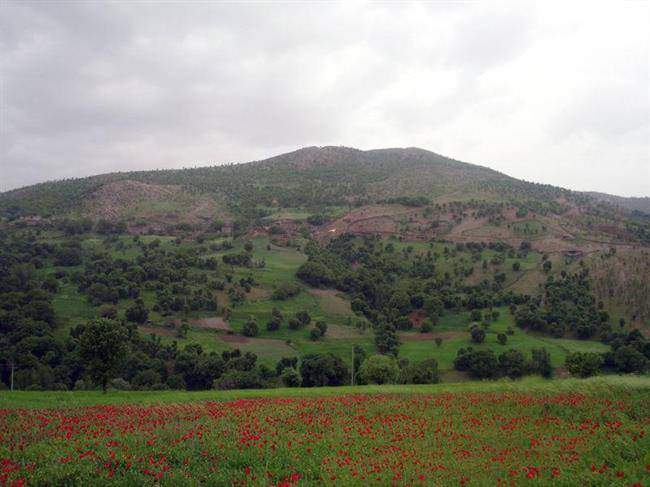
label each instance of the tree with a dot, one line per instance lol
(502, 338)
(541, 362)
(290, 377)
(303, 317)
(322, 327)
(583, 364)
(516, 266)
(314, 334)
(250, 328)
(137, 313)
(378, 369)
(386, 339)
(481, 363)
(512, 363)
(478, 334)
(323, 369)
(273, 324)
(629, 359)
(425, 372)
(102, 346)
(547, 265)
(438, 341)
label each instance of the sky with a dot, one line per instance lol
(551, 92)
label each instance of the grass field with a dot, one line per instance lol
(559, 432)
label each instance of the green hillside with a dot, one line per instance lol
(317, 267)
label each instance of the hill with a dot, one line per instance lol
(631, 203)
(462, 201)
(299, 268)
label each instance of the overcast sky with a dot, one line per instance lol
(548, 92)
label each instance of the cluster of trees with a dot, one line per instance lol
(630, 353)
(387, 286)
(567, 307)
(512, 363)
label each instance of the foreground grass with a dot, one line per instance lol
(561, 433)
(617, 385)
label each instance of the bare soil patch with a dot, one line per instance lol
(234, 338)
(214, 323)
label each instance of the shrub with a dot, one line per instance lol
(286, 291)
(314, 334)
(478, 334)
(378, 369)
(250, 328)
(238, 379)
(290, 377)
(425, 372)
(583, 364)
(323, 369)
(273, 324)
(512, 363)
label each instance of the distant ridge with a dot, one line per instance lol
(641, 204)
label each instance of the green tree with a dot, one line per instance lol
(583, 364)
(138, 312)
(102, 347)
(323, 369)
(478, 334)
(512, 363)
(425, 372)
(541, 362)
(290, 377)
(250, 328)
(386, 340)
(378, 369)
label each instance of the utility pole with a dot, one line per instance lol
(352, 374)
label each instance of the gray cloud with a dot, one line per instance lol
(550, 94)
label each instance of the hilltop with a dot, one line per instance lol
(413, 192)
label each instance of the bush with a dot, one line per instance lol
(512, 363)
(629, 359)
(502, 338)
(286, 291)
(137, 313)
(303, 317)
(478, 334)
(290, 377)
(481, 364)
(120, 384)
(238, 379)
(250, 328)
(541, 362)
(378, 369)
(273, 324)
(425, 372)
(322, 327)
(583, 364)
(323, 369)
(314, 334)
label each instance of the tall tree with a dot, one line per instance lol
(102, 345)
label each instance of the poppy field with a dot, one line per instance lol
(494, 437)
